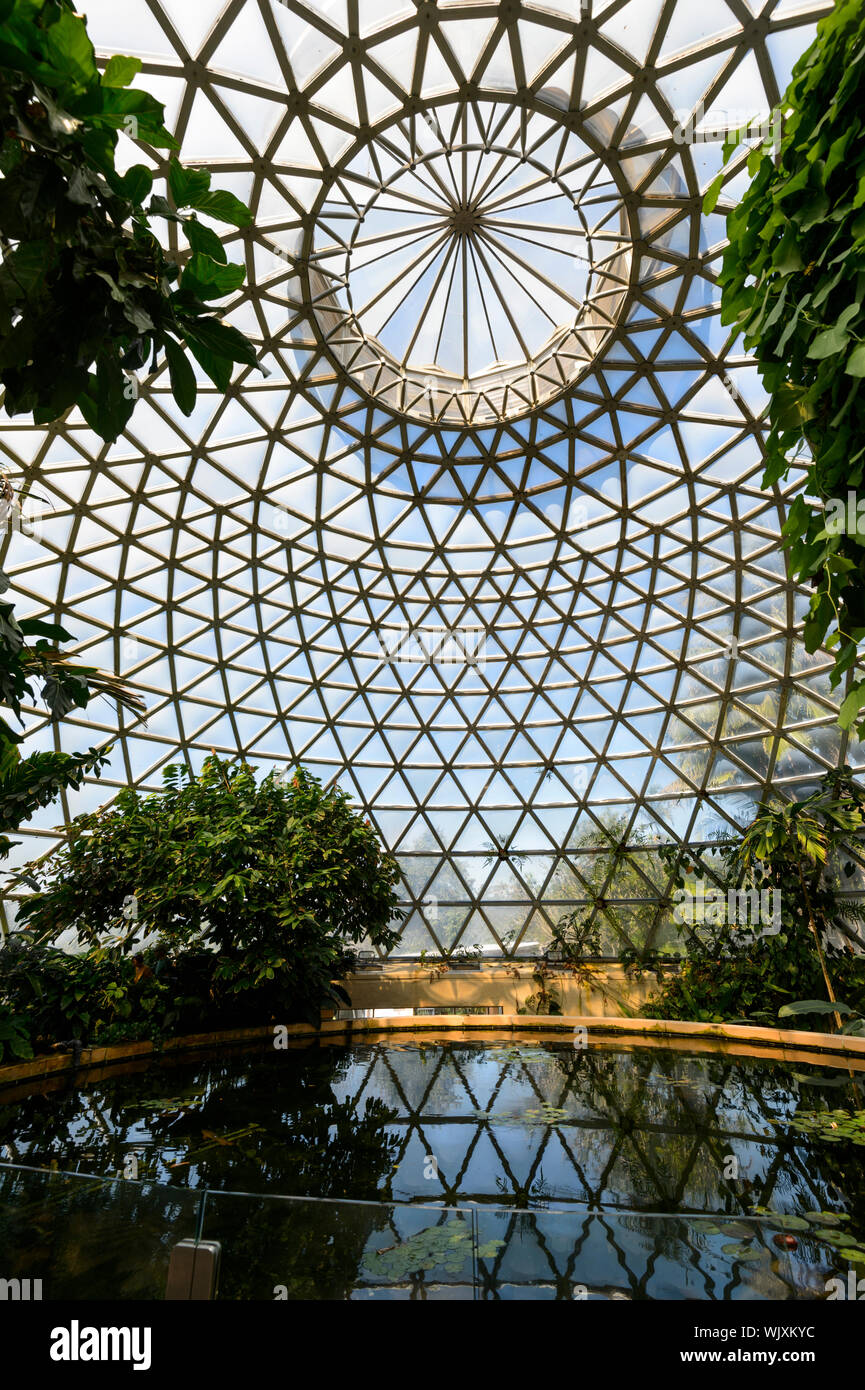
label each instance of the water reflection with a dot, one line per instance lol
(597, 1174)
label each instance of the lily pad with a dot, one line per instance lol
(743, 1252)
(790, 1223)
(839, 1238)
(446, 1247)
(738, 1229)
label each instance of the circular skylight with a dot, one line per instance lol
(488, 543)
(468, 264)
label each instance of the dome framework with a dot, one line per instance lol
(487, 544)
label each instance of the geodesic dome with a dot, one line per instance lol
(487, 543)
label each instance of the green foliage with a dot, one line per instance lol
(793, 280)
(87, 294)
(749, 984)
(812, 1006)
(805, 831)
(455, 955)
(546, 998)
(575, 936)
(793, 851)
(854, 1027)
(100, 995)
(275, 880)
(819, 1226)
(29, 658)
(15, 1038)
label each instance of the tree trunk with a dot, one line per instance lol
(829, 990)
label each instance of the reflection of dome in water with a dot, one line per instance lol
(568, 493)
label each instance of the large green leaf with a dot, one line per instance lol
(77, 222)
(69, 50)
(120, 71)
(205, 240)
(187, 185)
(813, 1006)
(183, 383)
(207, 279)
(224, 207)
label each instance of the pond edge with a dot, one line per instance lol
(787, 1044)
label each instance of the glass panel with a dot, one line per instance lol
(71, 1236)
(290, 1248)
(90, 1238)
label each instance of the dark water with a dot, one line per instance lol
(520, 1170)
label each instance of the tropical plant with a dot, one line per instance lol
(456, 955)
(30, 656)
(793, 281)
(546, 997)
(102, 994)
(854, 1026)
(796, 841)
(574, 937)
(276, 879)
(790, 853)
(88, 296)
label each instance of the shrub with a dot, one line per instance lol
(790, 856)
(753, 983)
(100, 996)
(268, 884)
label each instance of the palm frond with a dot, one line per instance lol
(114, 687)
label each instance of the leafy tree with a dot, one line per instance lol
(793, 280)
(88, 296)
(276, 878)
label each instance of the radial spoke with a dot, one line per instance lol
(532, 271)
(422, 316)
(493, 251)
(424, 260)
(502, 300)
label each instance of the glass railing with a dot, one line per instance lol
(287, 1248)
(72, 1236)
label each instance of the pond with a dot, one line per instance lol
(442, 1170)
